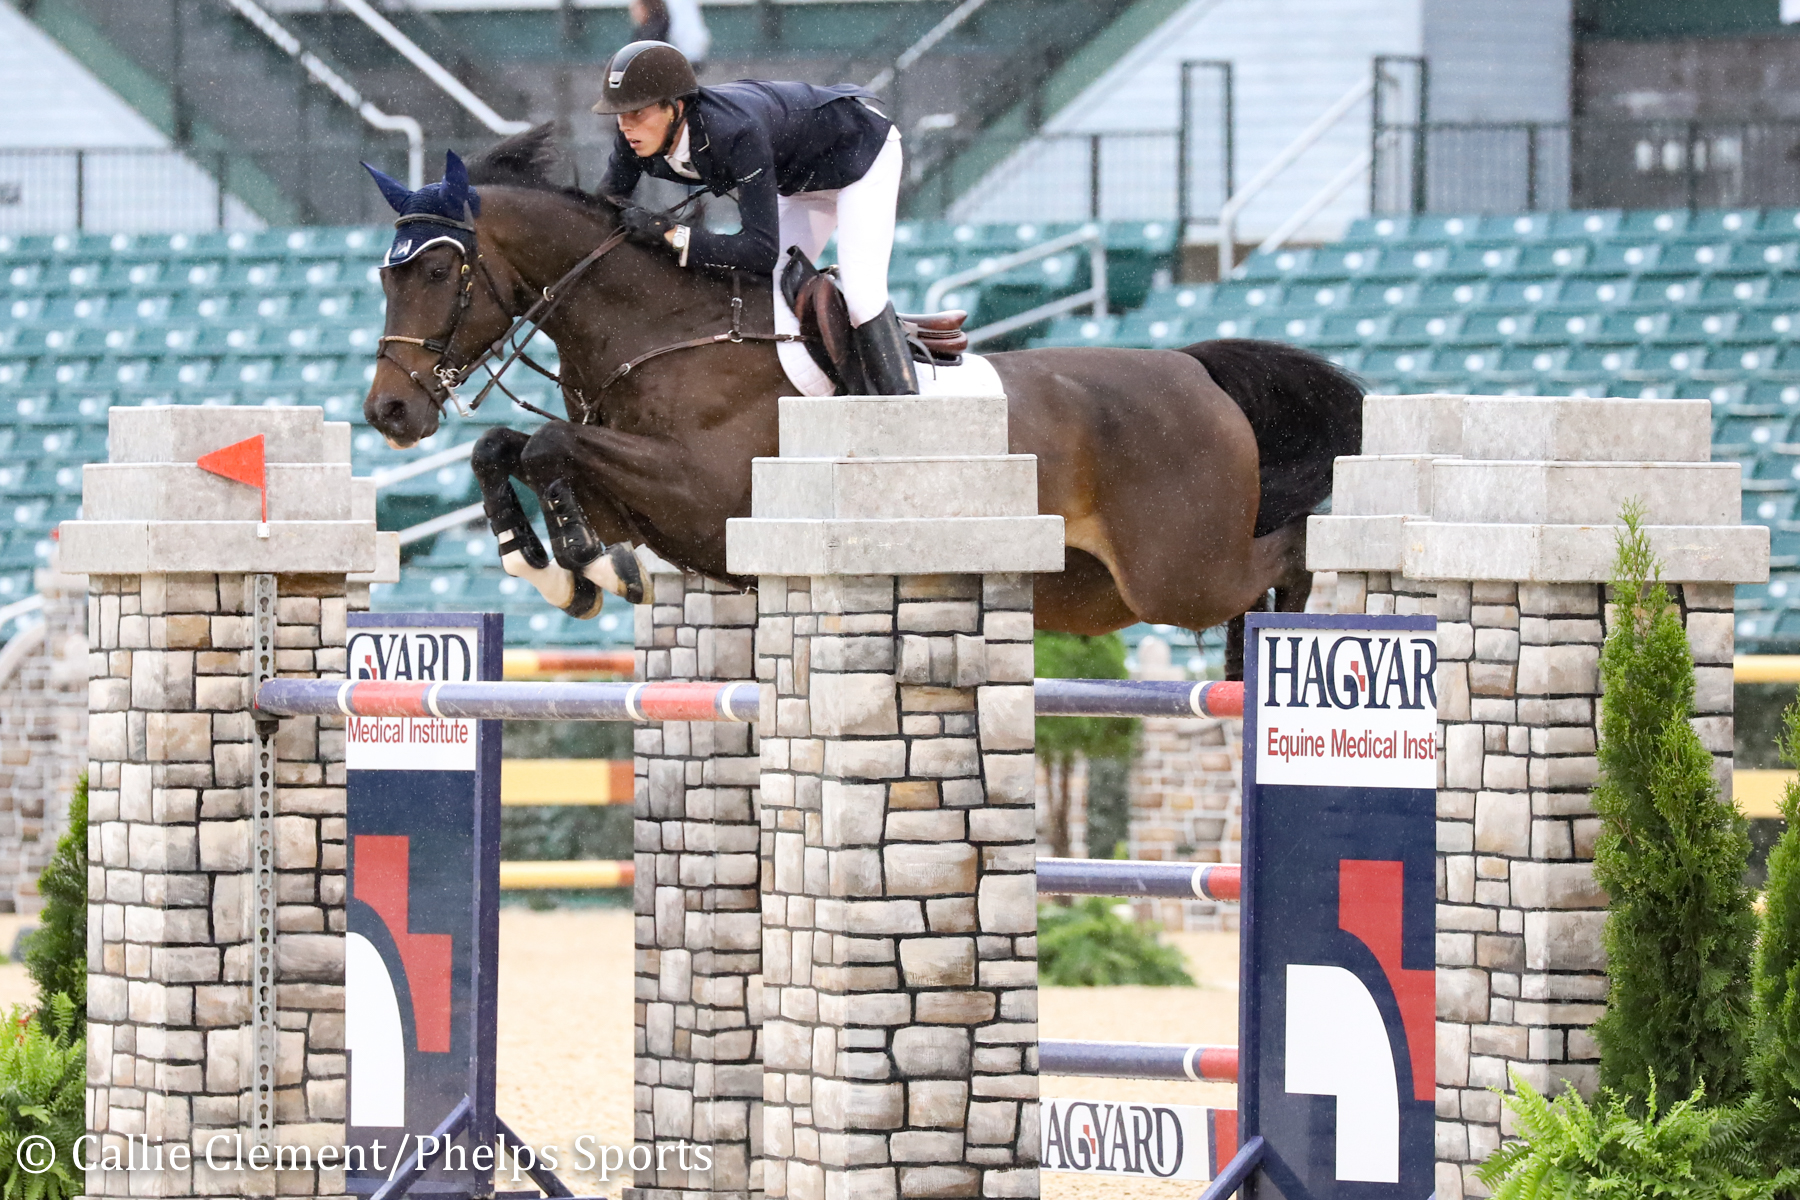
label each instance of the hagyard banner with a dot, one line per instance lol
(1339, 989)
(1135, 1139)
(419, 954)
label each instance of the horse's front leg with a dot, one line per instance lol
(495, 461)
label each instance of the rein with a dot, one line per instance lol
(449, 377)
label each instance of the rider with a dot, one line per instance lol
(803, 161)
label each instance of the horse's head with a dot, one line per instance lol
(443, 308)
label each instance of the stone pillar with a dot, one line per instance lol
(43, 734)
(1499, 516)
(894, 540)
(184, 815)
(699, 925)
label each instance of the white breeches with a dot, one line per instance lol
(863, 216)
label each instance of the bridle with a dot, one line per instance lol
(447, 376)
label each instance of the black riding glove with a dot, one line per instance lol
(643, 225)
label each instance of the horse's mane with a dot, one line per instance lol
(534, 160)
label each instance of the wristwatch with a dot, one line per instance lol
(678, 238)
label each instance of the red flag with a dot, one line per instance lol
(243, 463)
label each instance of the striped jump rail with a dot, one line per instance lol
(1128, 877)
(512, 701)
(1139, 1060)
(1139, 698)
(676, 701)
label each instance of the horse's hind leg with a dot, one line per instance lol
(1292, 587)
(495, 460)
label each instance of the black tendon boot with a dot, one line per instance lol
(886, 358)
(577, 547)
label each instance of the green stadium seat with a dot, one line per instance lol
(1621, 258)
(1237, 296)
(1696, 324)
(1481, 260)
(1585, 362)
(1080, 331)
(1136, 329)
(1496, 228)
(1521, 293)
(1594, 224)
(1488, 328)
(1215, 325)
(1350, 328)
(1763, 253)
(1653, 223)
(1419, 328)
(1270, 268)
(1551, 257)
(1379, 295)
(1724, 222)
(1730, 288)
(1377, 230)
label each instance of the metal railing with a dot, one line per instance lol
(1094, 238)
(126, 190)
(323, 74)
(1306, 140)
(433, 70)
(1591, 162)
(1127, 174)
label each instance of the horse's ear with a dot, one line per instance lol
(392, 190)
(456, 184)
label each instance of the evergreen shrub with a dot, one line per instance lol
(1671, 857)
(56, 955)
(1775, 1065)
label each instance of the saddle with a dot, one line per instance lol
(936, 338)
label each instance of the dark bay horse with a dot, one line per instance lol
(1184, 476)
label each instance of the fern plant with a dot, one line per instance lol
(42, 1081)
(1603, 1151)
(1089, 945)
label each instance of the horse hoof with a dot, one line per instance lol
(619, 572)
(586, 603)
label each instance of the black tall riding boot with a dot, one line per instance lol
(886, 358)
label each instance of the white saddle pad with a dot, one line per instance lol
(974, 376)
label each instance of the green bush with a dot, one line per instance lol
(42, 1083)
(1087, 944)
(1775, 1066)
(1603, 1151)
(1671, 857)
(56, 955)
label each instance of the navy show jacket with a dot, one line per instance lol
(761, 139)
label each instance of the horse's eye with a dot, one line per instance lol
(439, 274)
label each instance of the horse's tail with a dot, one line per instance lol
(1304, 410)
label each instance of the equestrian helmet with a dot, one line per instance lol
(644, 73)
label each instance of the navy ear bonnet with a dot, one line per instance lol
(438, 213)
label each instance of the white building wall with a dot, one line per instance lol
(53, 105)
(51, 100)
(1292, 59)
(1498, 62)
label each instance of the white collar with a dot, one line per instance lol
(679, 159)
